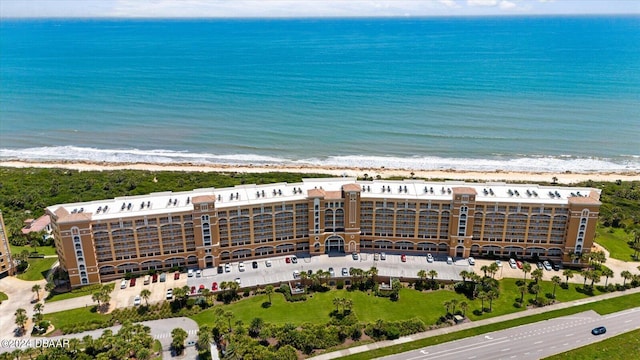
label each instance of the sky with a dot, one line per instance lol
(306, 8)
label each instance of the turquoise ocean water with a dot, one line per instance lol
(515, 93)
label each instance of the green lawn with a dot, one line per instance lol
(3, 297)
(44, 250)
(427, 306)
(602, 307)
(74, 316)
(615, 242)
(38, 269)
(77, 292)
(609, 349)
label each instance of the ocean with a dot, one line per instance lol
(482, 93)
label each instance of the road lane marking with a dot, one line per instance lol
(469, 347)
(569, 335)
(628, 321)
(537, 342)
(507, 349)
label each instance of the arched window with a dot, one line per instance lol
(78, 253)
(82, 267)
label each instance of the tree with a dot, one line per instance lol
(556, 281)
(606, 272)
(50, 286)
(537, 275)
(348, 303)
(422, 274)
(464, 306)
(432, 274)
(484, 269)
(97, 297)
(21, 318)
(36, 289)
(145, 294)
(204, 337)
(37, 312)
(535, 288)
(493, 269)
(568, 274)
(626, 275)
(554, 180)
(337, 302)
(526, 268)
(491, 295)
(522, 289)
(482, 295)
(454, 303)
(178, 336)
(269, 290)
(228, 315)
(256, 327)
(447, 305)
(464, 274)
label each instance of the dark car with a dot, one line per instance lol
(132, 282)
(154, 278)
(193, 289)
(294, 259)
(214, 286)
(176, 276)
(599, 330)
(254, 264)
(220, 269)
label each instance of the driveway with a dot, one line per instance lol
(20, 296)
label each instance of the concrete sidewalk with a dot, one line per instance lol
(469, 325)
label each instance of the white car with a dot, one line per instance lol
(169, 294)
(429, 258)
(383, 256)
(512, 263)
(449, 260)
(227, 268)
(241, 266)
(198, 273)
(237, 280)
(136, 300)
(296, 274)
(267, 263)
(499, 263)
(190, 273)
(471, 260)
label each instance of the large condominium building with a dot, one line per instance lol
(102, 240)
(6, 265)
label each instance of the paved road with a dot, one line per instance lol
(533, 341)
(160, 329)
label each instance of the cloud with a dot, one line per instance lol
(507, 5)
(449, 3)
(487, 3)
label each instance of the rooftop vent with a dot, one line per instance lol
(491, 191)
(188, 200)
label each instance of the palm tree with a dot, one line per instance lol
(526, 268)
(606, 272)
(36, 289)
(145, 294)
(537, 275)
(568, 274)
(554, 180)
(493, 269)
(492, 294)
(373, 272)
(422, 274)
(556, 281)
(454, 303)
(464, 274)
(179, 293)
(586, 274)
(464, 306)
(348, 303)
(522, 289)
(228, 315)
(97, 297)
(482, 295)
(536, 290)
(447, 305)
(21, 317)
(37, 309)
(595, 277)
(432, 274)
(50, 286)
(484, 269)
(178, 336)
(626, 275)
(269, 290)
(337, 302)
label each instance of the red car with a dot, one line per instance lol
(214, 286)
(287, 260)
(519, 264)
(193, 289)
(403, 257)
(201, 288)
(132, 282)
(176, 276)
(154, 278)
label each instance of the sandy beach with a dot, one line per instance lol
(504, 176)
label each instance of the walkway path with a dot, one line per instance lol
(469, 325)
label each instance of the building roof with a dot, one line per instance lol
(329, 188)
(36, 225)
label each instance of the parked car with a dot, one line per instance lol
(519, 264)
(190, 273)
(331, 272)
(512, 263)
(429, 258)
(227, 267)
(376, 257)
(193, 289)
(220, 269)
(539, 265)
(294, 259)
(241, 266)
(471, 260)
(599, 330)
(237, 280)
(163, 277)
(547, 265)
(383, 256)
(198, 273)
(449, 260)
(254, 264)
(296, 274)
(176, 275)
(403, 258)
(136, 300)
(214, 286)
(354, 256)
(556, 266)
(132, 282)
(287, 260)
(147, 279)
(200, 289)
(169, 294)
(154, 278)
(499, 263)
(267, 263)
(345, 272)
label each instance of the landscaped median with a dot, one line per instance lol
(622, 347)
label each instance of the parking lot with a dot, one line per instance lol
(281, 271)
(124, 297)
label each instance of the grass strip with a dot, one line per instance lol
(622, 347)
(602, 307)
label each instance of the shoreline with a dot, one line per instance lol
(494, 176)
